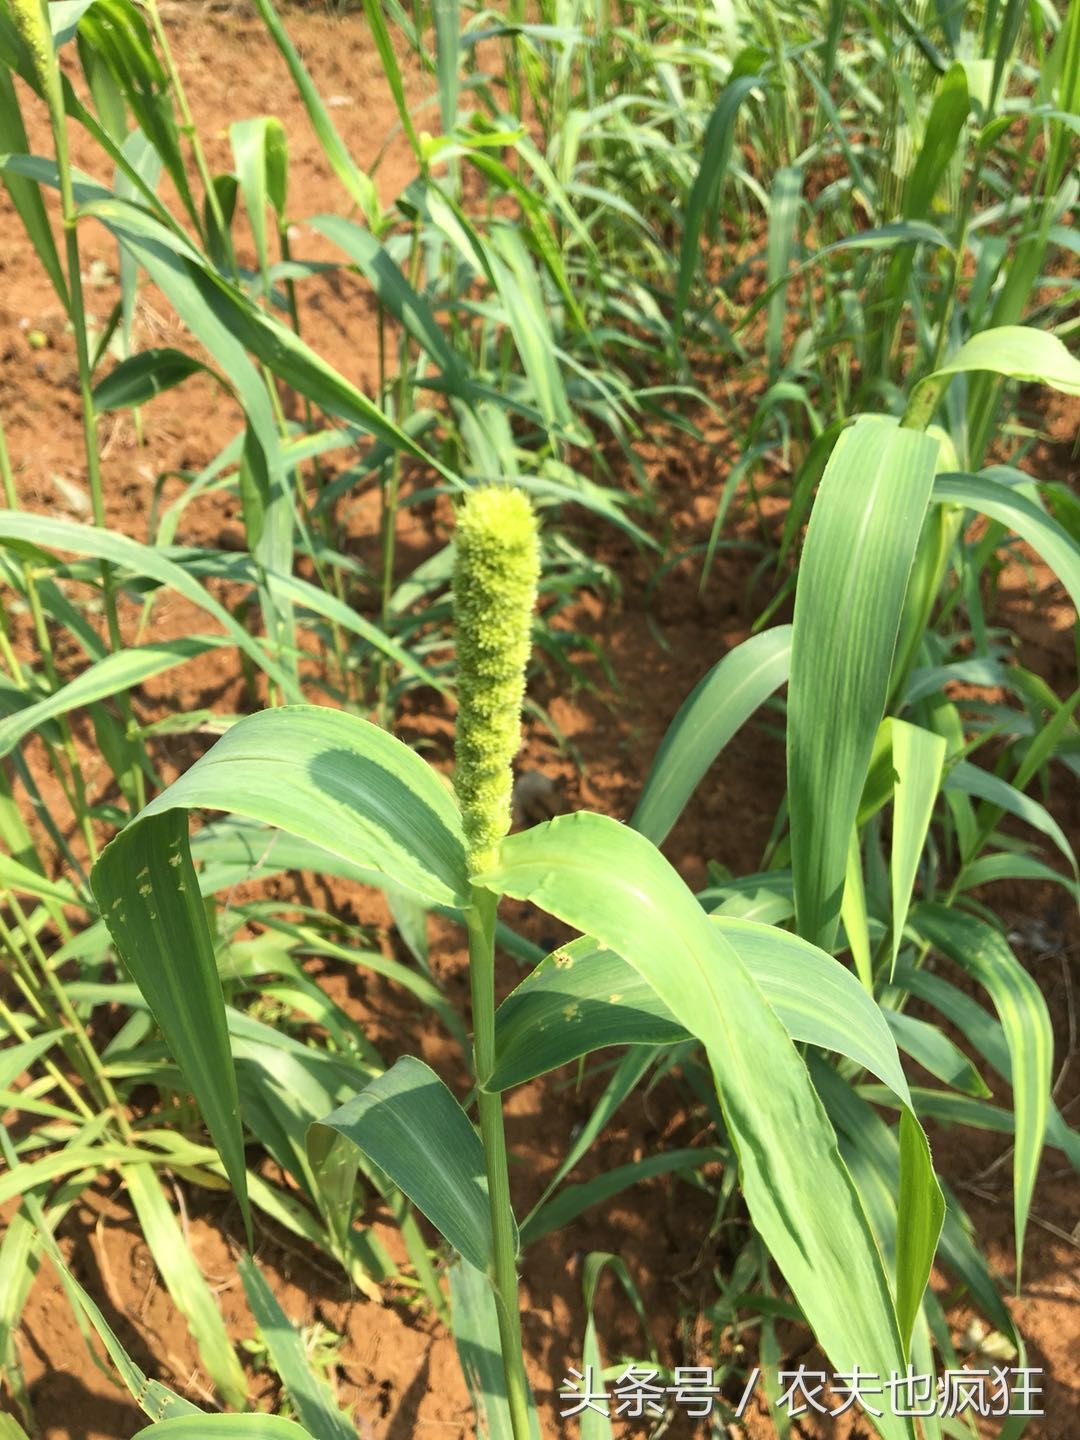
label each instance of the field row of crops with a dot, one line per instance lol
(803, 271)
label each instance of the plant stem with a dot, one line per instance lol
(503, 1270)
(391, 487)
(70, 216)
(188, 129)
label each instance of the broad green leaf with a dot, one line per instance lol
(322, 774)
(148, 895)
(983, 952)
(858, 554)
(1021, 514)
(409, 1124)
(610, 882)
(185, 1283)
(583, 997)
(563, 1010)
(339, 782)
(1019, 352)
(917, 758)
(720, 703)
(310, 1395)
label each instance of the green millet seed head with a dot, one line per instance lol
(496, 569)
(32, 22)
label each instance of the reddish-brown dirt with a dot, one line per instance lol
(395, 1366)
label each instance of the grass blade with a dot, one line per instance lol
(723, 701)
(476, 1335)
(917, 758)
(185, 1283)
(311, 1398)
(983, 952)
(1005, 503)
(859, 549)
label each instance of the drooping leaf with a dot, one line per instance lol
(584, 996)
(113, 675)
(140, 377)
(148, 895)
(409, 1124)
(1012, 508)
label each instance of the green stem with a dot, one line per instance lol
(188, 129)
(391, 487)
(70, 216)
(503, 1270)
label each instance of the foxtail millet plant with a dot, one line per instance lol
(496, 571)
